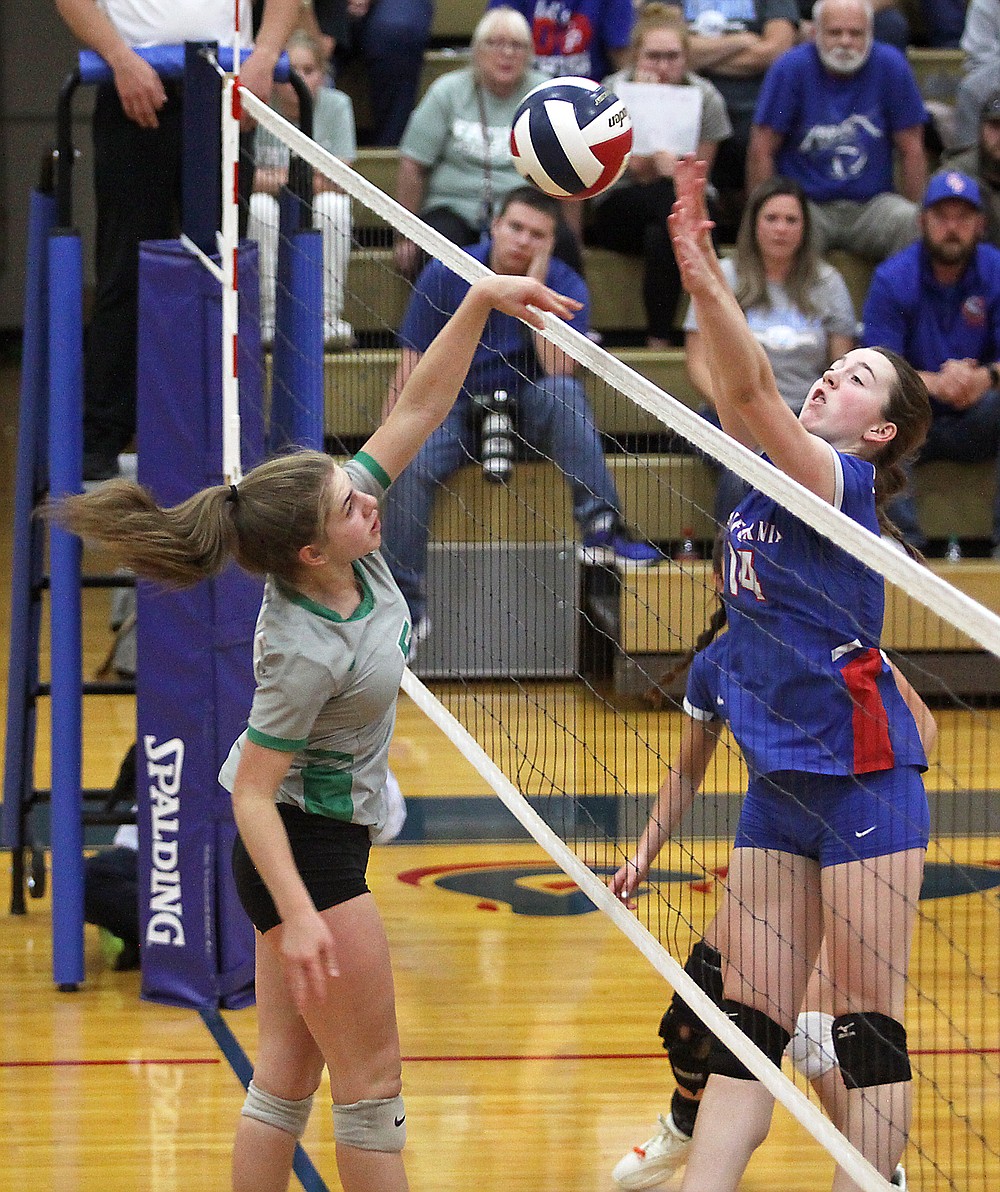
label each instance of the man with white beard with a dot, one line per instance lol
(831, 114)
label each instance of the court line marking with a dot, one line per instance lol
(445, 1059)
(302, 1165)
(644, 1055)
(122, 1063)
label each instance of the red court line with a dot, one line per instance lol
(643, 1055)
(101, 1063)
(448, 1059)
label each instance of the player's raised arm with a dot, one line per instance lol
(434, 382)
(684, 777)
(750, 407)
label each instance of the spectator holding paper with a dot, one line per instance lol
(673, 112)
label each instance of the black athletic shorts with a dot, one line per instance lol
(331, 858)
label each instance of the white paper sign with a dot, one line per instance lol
(664, 116)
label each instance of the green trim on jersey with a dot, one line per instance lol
(327, 786)
(279, 743)
(313, 606)
(370, 464)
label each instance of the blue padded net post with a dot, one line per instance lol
(297, 384)
(65, 456)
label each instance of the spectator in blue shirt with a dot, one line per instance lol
(938, 304)
(830, 115)
(586, 38)
(551, 414)
(891, 24)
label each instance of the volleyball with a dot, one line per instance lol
(571, 137)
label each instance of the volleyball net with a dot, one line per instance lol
(545, 665)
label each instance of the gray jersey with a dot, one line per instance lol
(327, 686)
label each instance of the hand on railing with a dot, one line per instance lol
(168, 62)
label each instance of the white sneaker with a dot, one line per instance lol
(656, 1160)
(396, 815)
(337, 331)
(420, 631)
(899, 1178)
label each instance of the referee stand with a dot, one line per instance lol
(198, 946)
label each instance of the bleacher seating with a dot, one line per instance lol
(662, 611)
(454, 20)
(660, 608)
(357, 383)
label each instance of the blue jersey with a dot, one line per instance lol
(572, 36)
(809, 689)
(838, 130)
(708, 693)
(908, 310)
(505, 354)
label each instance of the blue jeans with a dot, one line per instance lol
(965, 437)
(393, 38)
(552, 417)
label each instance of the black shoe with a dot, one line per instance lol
(99, 465)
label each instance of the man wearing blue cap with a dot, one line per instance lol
(938, 304)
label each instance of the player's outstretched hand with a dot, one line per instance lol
(691, 228)
(524, 297)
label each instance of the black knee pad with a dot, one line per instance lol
(871, 1049)
(768, 1035)
(686, 1039)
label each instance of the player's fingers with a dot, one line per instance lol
(328, 961)
(315, 979)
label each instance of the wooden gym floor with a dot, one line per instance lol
(531, 1060)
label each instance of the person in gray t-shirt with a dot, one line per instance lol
(631, 215)
(308, 775)
(455, 163)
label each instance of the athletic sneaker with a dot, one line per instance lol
(899, 1178)
(612, 547)
(656, 1160)
(117, 954)
(420, 631)
(338, 333)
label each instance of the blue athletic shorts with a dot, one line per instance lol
(833, 818)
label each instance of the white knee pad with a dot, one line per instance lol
(811, 1047)
(290, 1116)
(371, 1125)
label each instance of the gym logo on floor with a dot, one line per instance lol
(525, 888)
(540, 888)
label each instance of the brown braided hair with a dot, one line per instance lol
(655, 694)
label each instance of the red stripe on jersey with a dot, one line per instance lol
(872, 747)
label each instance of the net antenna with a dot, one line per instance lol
(229, 235)
(496, 742)
(227, 274)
